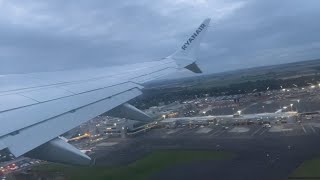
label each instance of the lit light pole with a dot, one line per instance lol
(291, 106)
(239, 112)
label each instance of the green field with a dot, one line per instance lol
(141, 169)
(309, 169)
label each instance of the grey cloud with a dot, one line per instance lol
(55, 34)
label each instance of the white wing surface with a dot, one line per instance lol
(36, 108)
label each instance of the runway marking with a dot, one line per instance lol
(303, 129)
(204, 130)
(263, 131)
(107, 144)
(312, 129)
(177, 133)
(239, 130)
(173, 131)
(215, 133)
(256, 131)
(222, 131)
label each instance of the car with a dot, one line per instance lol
(266, 126)
(225, 127)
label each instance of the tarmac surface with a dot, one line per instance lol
(261, 153)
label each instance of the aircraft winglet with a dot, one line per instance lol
(185, 56)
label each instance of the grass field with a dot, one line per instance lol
(139, 170)
(308, 170)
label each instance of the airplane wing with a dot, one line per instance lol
(36, 108)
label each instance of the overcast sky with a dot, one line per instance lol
(58, 34)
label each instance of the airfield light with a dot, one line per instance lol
(239, 112)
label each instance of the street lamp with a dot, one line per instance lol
(239, 112)
(291, 106)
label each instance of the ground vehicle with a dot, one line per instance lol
(266, 126)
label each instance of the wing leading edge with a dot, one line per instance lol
(36, 108)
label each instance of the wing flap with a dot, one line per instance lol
(37, 134)
(92, 85)
(14, 101)
(16, 119)
(153, 75)
(47, 94)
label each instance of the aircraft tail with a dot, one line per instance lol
(186, 56)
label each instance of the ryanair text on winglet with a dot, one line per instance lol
(193, 37)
